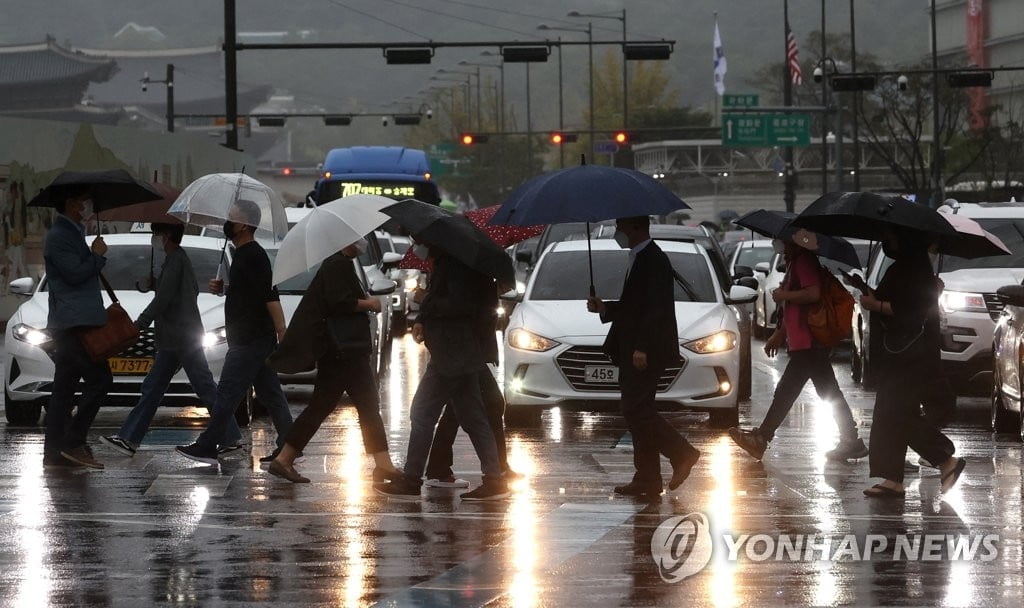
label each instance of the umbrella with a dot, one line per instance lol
(779, 225)
(209, 200)
(109, 189)
(502, 235)
(328, 229)
(149, 212)
(971, 240)
(867, 215)
(454, 234)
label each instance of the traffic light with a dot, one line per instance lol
(558, 138)
(468, 139)
(620, 137)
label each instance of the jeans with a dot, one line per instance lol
(439, 465)
(652, 434)
(245, 365)
(462, 393)
(336, 375)
(155, 385)
(71, 363)
(809, 364)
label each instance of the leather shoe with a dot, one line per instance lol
(681, 470)
(634, 488)
(286, 472)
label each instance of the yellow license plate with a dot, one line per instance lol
(130, 366)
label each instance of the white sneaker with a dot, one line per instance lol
(448, 482)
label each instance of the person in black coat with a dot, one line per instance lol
(643, 342)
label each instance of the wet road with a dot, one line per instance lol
(154, 529)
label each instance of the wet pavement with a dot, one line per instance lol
(154, 529)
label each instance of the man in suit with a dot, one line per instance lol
(643, 342)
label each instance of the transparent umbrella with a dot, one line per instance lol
(209, 200)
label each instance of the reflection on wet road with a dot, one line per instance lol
(154, 529)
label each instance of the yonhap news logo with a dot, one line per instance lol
(682, 546)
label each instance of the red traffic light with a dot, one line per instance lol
(559, 138)
(620, 137)
(468, 139)
(286, 171)
(556, 138)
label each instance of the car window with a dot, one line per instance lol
(385, 244)
(372, 256)
(401, 246)
(564, 275)
(127, 264)
(752, 256)
(1010, 231)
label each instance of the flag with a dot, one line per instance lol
(720, 65)
(793, 58)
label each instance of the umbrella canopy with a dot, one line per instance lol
(208, 201)
(502, 235)
(779, 225)
(455, 235)
(772, 224)
(588, 193)
(109, 189)
(150, 212)
(328, 229)
(866, 215)
(971, 240)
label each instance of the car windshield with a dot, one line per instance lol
(295, 285)
(128, 264)
(385, 244)
(564, 275)
(752, 256)
(1010, 231)
(556, 233)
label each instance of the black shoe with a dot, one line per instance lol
(634, 488)
(511, 475)
(198, 453)
(403, 488)
(488, 490)
(848, 450)
(286, 472)
(121, 445)
(82, 455)
(225, 450)
(381, 475)
(56, 461)
(271, 456)
(751, 441)
(681, 470)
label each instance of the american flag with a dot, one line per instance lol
(793, 58)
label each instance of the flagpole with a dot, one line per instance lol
(787, 100)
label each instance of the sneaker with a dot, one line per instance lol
(224, 450)
(121, 445)
(198, 453)
(447, 482)
(82, 455)
(848, 450)
(404, 488)
(751, 441)
(271, 456)
(488, 490)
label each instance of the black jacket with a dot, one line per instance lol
(644, 318)
(452, 315)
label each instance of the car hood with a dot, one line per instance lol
(569, 318)
(36, 309)
(982, 280)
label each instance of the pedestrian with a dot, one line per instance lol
(800, 290)
(179, 345)
(253, 322)
(905, 317)
(448, 325)
(335, 296)
(73, 282)
(643, 341)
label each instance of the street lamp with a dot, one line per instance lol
(169, 82)
(589, 31)
(501, 69)
(465, 93)
(501, 118)
(469, 82)
(821, 75)
(625, 78)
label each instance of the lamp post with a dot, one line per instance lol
(465, 93)
(589, 31)
(856, 103)
(469, 83)
(625, 76)
(499, 120)
(169, 82)
(821, 75)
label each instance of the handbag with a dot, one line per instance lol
(114, 336)
(350, 333)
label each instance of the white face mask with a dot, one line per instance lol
(420, 251)
(621, 238)
(157, 242)
(361, 246)
(778, 246)
(87, 210)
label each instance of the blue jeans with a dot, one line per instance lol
(245, 366)
(462, 394)
(155, 386)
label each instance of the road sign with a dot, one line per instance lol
(439, 157)
(605, 147)
(746, 100)
(766, 130)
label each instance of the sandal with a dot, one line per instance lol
(880, 491)
(949, 479)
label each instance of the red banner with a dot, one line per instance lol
(977, 18)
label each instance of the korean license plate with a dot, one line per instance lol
(600, 374)
(125, 366)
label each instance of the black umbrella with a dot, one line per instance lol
(866, 215)
(455, 235)
(109, 189)
(779, 225)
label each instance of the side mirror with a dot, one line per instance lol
(742, 271)
(1011, 295)
(749, 282)
(23, 286)
(524, 256)
(382, 287)
(741, 295)
(763, 267)
(390, 259)
(511, 295)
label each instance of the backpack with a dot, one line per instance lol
(830, 320)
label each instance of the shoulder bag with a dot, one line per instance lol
(113, 337)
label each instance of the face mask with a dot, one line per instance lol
(420, 251)
(361, 246)
(621, 238)
(778, 246)
(157, 242)
(87, 210)
(229, 230)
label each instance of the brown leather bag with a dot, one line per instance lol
(117, 334)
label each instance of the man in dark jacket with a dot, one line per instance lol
(448, 324)
(643, 342)
(72, 275)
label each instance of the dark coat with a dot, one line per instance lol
(334, 290)
(912, 333)
(644, 318)
(175, 308)
(453, 314)
(72, 277)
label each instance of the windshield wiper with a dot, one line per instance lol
(690, 291)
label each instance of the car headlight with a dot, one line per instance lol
(411, 283)
(961, 301)
(214, 337)
(30, 335)
(523, 340)
(718, 342)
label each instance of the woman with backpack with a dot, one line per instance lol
(802, 288)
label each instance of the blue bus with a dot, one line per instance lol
(390, 171)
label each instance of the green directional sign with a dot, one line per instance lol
(745, 100)
(439, 156)
(766, 130)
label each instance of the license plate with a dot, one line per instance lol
(130, 366)
(600, 374)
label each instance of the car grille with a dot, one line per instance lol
(144, 348)
(994, 306)
(574, 361)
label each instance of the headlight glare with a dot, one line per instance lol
(214, 337)
(718, 342)
(30, 335)
(524, 340)
(954, 301)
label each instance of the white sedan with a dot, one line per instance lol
(28, 370)
(552, 348)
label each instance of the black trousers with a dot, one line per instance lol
(652, 434)
(897, 423)
(71, 364)
(337, 374)
(810, 364)
(439, 464)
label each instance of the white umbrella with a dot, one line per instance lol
(327, 230)
(208, 202)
